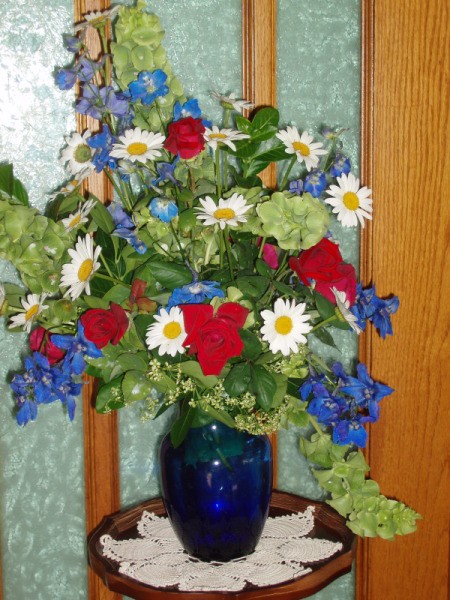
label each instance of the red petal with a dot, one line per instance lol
(233, 311)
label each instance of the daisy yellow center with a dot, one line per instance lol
(172, 330)
(82, 153)
(75, 221)
(350, 200)
(217, 136)
(32, 312)
(85, 269)
(137, 148)
(283, 325)
(224, 213)
(302, 148)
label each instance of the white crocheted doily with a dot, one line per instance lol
(157, 559)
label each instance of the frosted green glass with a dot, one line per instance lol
(318, 81)
(205, 53)
(42, 520)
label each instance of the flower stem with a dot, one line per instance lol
(323, 323)
(218, 173)
(183, 255)
(261, 248)
(113, 279)
(288, 170)
(228, 249)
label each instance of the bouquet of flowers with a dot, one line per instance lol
(194, 284)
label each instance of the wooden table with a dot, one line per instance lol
(329, 525)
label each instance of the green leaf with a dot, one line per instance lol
(286, 290)
(136, 386)
(181, 426)
(324, 306)
(193, 369)
(20, 193)
(325, 337)
(117, 294)
(102, 218)
(244, 149)
(253, 286)
(274, 154)
(6, 178)
(219, 415)
(252, 345)
(263, 268)
(243, 124)
(110, 396)
(264, 118)
(263, 386)
(238, 380)
(169, 274)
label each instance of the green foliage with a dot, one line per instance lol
(10, 187)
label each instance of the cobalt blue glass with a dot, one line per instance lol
(216, 487)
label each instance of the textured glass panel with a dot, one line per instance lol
(41, 471)
(318, 65)
(205, 54)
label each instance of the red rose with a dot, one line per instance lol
(185, 137)
(214, 339)
(105, 326)
(41, 341)
(323, 263)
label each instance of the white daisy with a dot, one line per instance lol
(80, 270)
(351, 203)
(33, 305)
(74, 220)
(303, 146)
(216, 136)
(284, 328)
(138, 145)
(229, 212)
(71, 186)
(343, 305)
(96, 18)
(231, 102)
(78, 154)
(168, 332)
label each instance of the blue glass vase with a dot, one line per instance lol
(216, 487)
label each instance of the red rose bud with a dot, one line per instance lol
(41, 341)
(323, 263)
(185, 137)
(138, 288)
(270, 256)
(214, 338)
(105, 326)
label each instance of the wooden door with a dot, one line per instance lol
(406, 161)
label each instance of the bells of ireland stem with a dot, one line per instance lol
(297, 223)
(138, 49)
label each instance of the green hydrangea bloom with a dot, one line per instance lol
(296, 223)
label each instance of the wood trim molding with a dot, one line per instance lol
(259, 82)
(101, 444)
(366, 242)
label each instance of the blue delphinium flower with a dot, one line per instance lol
(163, 209)
(315, 183)
(195, 293)
(125, 227)
(148, 86)
(73, 43)
(340, 165)
(86, 68)
(103, 143)
(77, 347)
(67, 390)
(296, 187)
(96, 101)
(65, 79)
(166, 172)
(368, 306)
(350, 432)
(364, 389)
(190, 108)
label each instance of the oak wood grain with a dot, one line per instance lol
(101, 450)
(407, 159)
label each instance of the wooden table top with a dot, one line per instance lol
(329, 525)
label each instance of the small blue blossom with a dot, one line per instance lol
(315, 183)
(77, 347)
(103, 143)
(368, 306)
(166, 172)
(341, 165)
(65, 79)
(195, 293)
(73, 43)
(96, 101)
(350, 432)
(190, 108)
(148, 86)
(125, 228)
(163, 209)
(296, 187)
(87, 69)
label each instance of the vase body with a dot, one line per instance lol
(216, 487)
